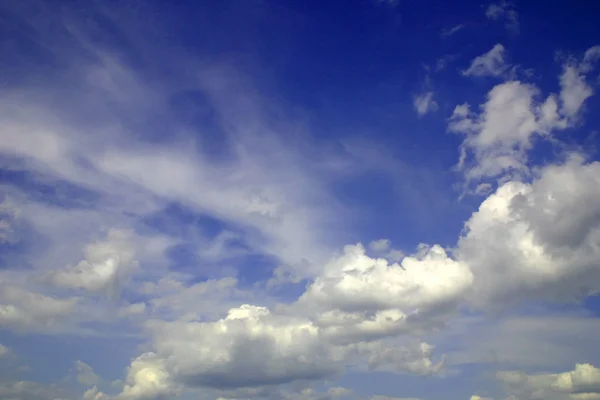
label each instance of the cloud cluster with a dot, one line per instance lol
(491, 63)
(582, 383)
(534, 238)
(500, 135)
(504, 11)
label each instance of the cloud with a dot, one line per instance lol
(424, 103)
(574, 88)
(21, 309)
(537, 240)
(94, 394)
(147, 380)
(21, 390)
(504, 10)
(366, 298)
(453, 30)
(106, 264)
(527, 342)
(85, 374)
(491, 63)
(502, 133)
(583, 382)
(382, 247)
(4, 351)
(255, 347)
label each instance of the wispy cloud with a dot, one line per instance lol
(491, 63)
(505, 11)
(453, 30)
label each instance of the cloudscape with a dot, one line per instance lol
(299, 200)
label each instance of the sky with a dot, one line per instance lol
(299, 200)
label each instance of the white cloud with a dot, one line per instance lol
(537, 239)
(147, 380)
(249, 347)
(503, 131)
(106, 264)
(132, 310)
(85, 374)
(583, 382)
(424, 103)
(521, 342)
(363, 297)
(94, 394)
(21, 309)
(574, 88)
(491, 63)
(451, 31)
(504, 10)
(4, 351)
(382, 248)
(255, 347)
(27, 390)
(379, 397)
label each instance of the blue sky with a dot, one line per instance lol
(299, 200)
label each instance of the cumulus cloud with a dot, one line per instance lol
(424, 103)
(27, 390)
(491, 63)
(4, 351)
(502, 133)
(249, 347)
(255, 347)
(382, 248)
(106, 263)
(85, 374)
(363, 297)
(583, 382)
(21, 309)
(537, 239)
(147, 379)
(505, 11)
(94, 394)
(574, 88)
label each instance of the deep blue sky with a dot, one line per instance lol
(164, 165)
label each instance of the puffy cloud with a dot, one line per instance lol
(537, 240)
(132, 310)
(85, 374)
(251, 346)
(255, 347)
(489, 64)
(502, 133)
(504, 10)
(4, 351)
(581, 383)
(27, 390)
(147, 379)
(173, 298)
(379, 397)
(9, 211)
(382, 247)
(424, 103)
(574, 88)
(21, 309)
(407, 359)
(365, 298)
(94, 394)
(106, 264)
(524, 342)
